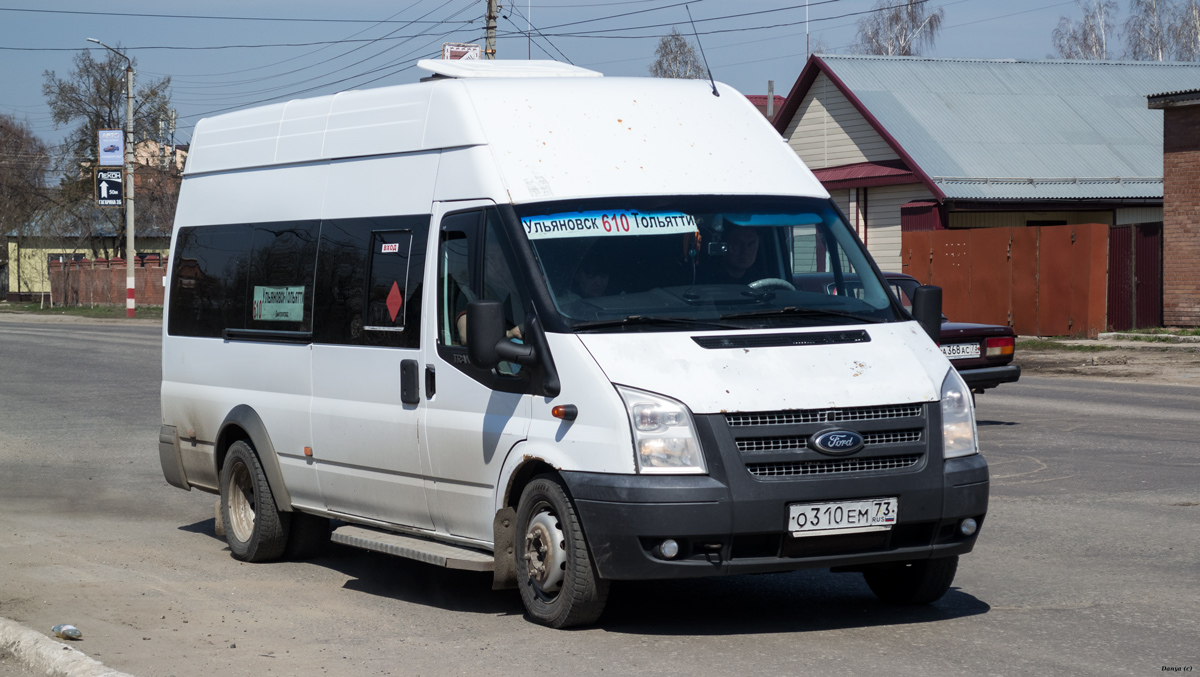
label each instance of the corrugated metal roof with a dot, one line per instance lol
(1078, 129)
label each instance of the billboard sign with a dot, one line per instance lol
(111, 149)
(109, 187)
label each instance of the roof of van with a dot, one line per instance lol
(554, 131)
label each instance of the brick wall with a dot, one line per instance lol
(102, 282)
(1181, 216)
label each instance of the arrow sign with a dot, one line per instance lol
(109, 187)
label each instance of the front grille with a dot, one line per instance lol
(752, 445)
(801, 416)
(833, 467)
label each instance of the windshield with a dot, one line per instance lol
(734, 263)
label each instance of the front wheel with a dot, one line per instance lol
(555, 572)
(255, 529)
(912, 583)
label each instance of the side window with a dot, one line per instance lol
(457, 266)
(281, 275)
(391, 252)
(208, 288)
(359, 264)
(500, 283)
(472, 267)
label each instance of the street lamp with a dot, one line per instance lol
(128, 188)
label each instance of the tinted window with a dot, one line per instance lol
(281, 276)
(208, 291)
(353, 283)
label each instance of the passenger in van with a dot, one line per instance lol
(734, 265)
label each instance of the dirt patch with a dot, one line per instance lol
(1167, 366)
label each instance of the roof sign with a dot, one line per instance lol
(454, 51)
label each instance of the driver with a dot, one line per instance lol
(733, 267)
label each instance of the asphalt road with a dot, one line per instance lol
(1089, 561)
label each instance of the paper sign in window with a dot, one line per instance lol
(278, 304)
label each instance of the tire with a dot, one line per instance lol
(254, 529)
(912, 583)
(555, 572)
(307, 536)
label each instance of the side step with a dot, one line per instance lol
(412, 547)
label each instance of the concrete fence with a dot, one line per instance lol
(101, 282)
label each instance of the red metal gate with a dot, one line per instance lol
(1135, 276)
(1042, 280)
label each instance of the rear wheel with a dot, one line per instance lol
(555, 572)
(254, 529)
(911, 583)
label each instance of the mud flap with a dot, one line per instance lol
(504, 528)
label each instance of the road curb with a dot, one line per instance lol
(46, 656)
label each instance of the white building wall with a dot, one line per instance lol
(827, 131)
(883, 221)
(1139, 215)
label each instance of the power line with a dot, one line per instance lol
(196, 16)
(539, 32)
(211, 85)
(594, 34)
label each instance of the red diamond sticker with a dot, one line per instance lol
(394, 300)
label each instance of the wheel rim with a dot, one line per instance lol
(241, 503)
(545, 553)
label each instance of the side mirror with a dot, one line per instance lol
(927, 310)
(486, 343)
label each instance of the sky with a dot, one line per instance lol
(371, 43)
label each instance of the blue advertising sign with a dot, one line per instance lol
(112, 147)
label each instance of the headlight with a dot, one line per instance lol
(664, 437)
(959, 437)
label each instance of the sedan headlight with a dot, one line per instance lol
(959, 436)
(664, 436)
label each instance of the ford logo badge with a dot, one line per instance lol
(837, 442)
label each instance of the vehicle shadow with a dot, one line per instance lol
(207, 527)
(416, 582)
(800, 601)
(989, 423)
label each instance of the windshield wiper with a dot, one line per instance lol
(806, 312)
(652, 319)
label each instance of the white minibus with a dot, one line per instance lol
(524, 319)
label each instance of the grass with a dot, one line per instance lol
(1159, 331)
(113, 312)
(1044, 344)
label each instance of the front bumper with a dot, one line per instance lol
(730, 522)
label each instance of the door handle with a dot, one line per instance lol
(430, 382)
(410, 387)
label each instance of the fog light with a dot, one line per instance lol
(968, 526)
(669, 548)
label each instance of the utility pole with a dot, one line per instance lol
(130, 303)
(493, 10)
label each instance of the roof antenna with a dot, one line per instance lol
(710, 77)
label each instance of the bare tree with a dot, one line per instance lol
(676, 58)
(92, 97)
(1148, 30)
(24, 166)
(899, 29)
(1087, 39)
(1185, 31)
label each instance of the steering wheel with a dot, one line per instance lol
(772, 283)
